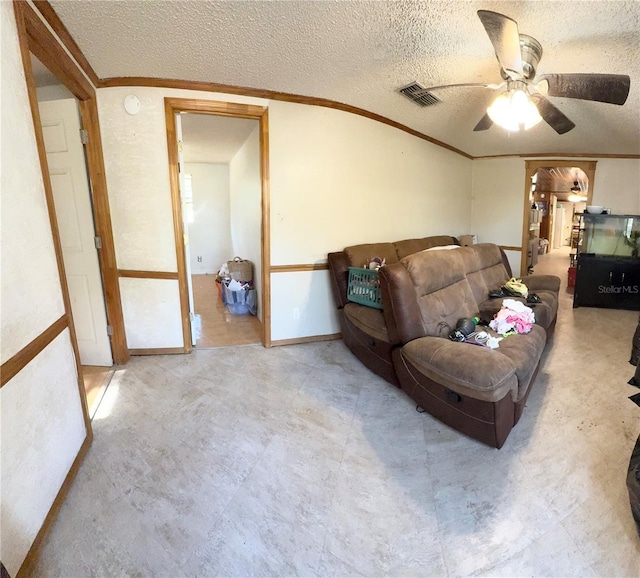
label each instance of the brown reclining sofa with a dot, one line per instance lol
(364, 329)
(460, 281)
(476, 390)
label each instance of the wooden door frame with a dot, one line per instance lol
(36, 38)
(531, 167)
(173, 106)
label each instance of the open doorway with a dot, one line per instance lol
(61, 124)
(556, 194)
(247, 221)
(221, 201)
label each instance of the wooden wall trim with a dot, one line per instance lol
(309, 339)
(104, 229)
(300, 267)
(158, 351)
(52, 18)
(510, 248)
(32, 554)
(50, 52)
(272, 95)
(178, 227)
(135, 274)
(265, 231)
(560, 155)
(20, 360)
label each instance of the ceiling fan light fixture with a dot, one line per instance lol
(514, 111)
(575, 198)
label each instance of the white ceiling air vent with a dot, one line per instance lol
(414, 92)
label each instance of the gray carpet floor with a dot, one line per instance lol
(297, 461)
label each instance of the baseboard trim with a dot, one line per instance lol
(32, 554)
(158, 351)
(309, 339)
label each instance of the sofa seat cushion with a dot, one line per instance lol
(525, 352)
(367, 319)
(545, 312)
(467, 369)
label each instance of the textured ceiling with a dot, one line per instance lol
(213, 139)
(360, 53)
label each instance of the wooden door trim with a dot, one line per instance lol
(589, 167)
(29, 25)
(261, 114)
(36, 38)
(49, 14)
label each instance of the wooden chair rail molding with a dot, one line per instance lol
(20, 360)
(299, 267)
(135, 274)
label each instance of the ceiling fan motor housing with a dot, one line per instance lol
(531, 51)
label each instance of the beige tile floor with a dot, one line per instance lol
(296, 461)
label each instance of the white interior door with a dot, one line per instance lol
(70, 184)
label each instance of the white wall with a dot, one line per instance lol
(617, 185)
(210, 233)
(246, 207)
(498, 197)
(42, 426)
(335, 179)
(339, 179)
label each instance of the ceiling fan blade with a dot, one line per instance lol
(552, 115)
(484, 124)
(611, 88)
(503, 33)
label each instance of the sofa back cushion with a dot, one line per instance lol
(441, 289)
(360, 255)
(484, 269)
(411, 246)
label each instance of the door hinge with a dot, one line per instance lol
(109, 330)
(98, 242)
(84, 136)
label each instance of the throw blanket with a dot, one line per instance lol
(513, 317)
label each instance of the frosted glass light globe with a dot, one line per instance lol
(514, 111)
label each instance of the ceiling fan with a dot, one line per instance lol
(524, 102)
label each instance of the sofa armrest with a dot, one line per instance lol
(542, 283)
(339, 273)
